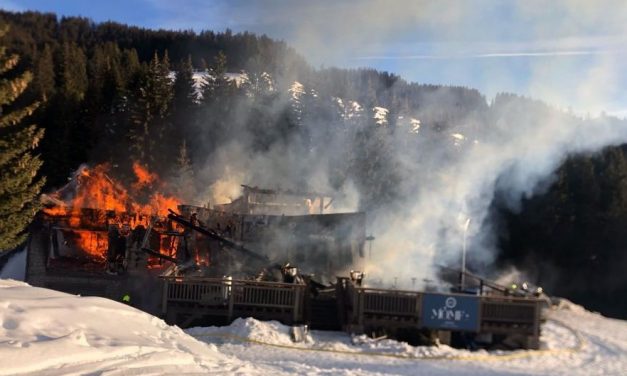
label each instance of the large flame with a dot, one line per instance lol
(144, 177)
(93, 188)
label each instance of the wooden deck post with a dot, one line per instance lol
(535, 340)
(296, 290)
(360, 297)
(164, 301)
(230, 286)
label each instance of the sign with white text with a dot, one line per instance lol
(452, 312)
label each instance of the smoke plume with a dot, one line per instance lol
(570, 55)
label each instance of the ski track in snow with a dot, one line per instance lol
(44, 332)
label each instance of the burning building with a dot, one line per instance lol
(98, 236)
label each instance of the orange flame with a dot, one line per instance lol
(98, 191)
(95, 189)
(92, 242)
(145, 178)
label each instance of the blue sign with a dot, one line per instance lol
(452, 312)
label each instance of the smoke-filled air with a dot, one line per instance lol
(424, 190)
(426, 163)
(279, 187)
(447, 123)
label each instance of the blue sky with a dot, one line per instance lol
(571, 53)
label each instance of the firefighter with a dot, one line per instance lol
(357, 277)
(290, 274)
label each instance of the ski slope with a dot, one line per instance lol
(45, 332)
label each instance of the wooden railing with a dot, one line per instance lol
(232, 296)
(507, 314)
(369, 306)
(508, 310)
(361, 307)
(389, 302)
(211, 292)
(277, 295)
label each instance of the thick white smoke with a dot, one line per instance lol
(571, 55)
(525, 148)
(449, 197)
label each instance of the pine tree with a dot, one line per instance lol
(184, 175)
(44, 74)
(374, 165)
(130, 65)
(216, 107)
(19, 187)
(185, 96)
(150, 115)
(263, 122)
(73, 73)
(68, 141)
(217, 84)
(105, 91)
(184, 103)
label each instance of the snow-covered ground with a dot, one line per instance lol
(45, 332)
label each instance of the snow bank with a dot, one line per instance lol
(274, 333)
(567, 305)
(249, 329)
(48, 332)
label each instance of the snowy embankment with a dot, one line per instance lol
(50, 333)
(45, 332)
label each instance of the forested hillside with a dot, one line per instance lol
(201, 108)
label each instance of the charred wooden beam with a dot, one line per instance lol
(160, 255)
(213, 235)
